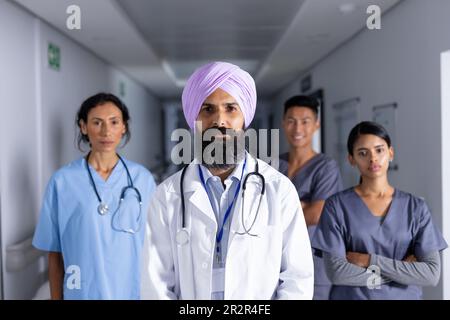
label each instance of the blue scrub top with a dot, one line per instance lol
(319, 179)
(100, 261)
(347, 224)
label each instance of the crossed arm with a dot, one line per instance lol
(352, 271)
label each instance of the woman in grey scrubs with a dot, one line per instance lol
(377, 242)
(315, 175)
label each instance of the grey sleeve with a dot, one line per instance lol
(343, 273)
(327, 182)
(425, 272)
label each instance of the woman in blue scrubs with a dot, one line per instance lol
(378, 242)
(315, 175)
(93, 217)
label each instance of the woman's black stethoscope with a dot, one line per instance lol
(103, 208)
(182, 236)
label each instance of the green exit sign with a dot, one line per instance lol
(54, 57)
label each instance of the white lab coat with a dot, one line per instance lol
(275, 265)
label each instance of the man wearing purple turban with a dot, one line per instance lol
(225, 227)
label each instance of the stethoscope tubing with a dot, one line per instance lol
(244, 186)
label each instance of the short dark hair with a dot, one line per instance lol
(366, 127)
(302, 101)
(98, 100)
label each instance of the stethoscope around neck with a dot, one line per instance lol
(182, 236)
(103, 208)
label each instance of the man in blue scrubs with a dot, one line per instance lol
(315, 175)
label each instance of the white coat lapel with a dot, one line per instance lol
(200, 217)
(196, 193)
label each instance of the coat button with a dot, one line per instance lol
(204, 265)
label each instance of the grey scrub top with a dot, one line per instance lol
(317, 180)
(347, 224)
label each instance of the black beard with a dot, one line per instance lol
(231, 151)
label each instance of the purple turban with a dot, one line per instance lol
(226, 76)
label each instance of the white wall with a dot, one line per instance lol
(445, 120)
(62, 92)
(146, 124)
(38, 123)
(81, 75)
(399, 63)
(19, 147)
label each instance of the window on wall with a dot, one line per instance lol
(346, 117)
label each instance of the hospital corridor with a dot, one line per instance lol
(118, 116)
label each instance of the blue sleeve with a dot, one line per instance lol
(329, 234)
(327, 182)
(152, 185)
(428, 238)
(46, 235)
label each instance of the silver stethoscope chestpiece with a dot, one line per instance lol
(103, 208)
(182, 236)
